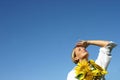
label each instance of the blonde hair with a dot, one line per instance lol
(73, 56)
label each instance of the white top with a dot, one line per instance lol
(102, 60)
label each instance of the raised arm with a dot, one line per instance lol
(100, 43)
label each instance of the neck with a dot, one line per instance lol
(82, 60)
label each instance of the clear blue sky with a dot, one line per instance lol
(37, 36)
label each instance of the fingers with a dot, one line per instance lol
(81, 43)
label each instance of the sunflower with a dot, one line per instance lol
(84, 71)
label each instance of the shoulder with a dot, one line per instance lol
(108, 47)
(111, 45)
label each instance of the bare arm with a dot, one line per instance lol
(85, 43)
(101, 43)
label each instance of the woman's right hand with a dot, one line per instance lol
(82, 43)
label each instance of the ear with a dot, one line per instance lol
(75, 60)
(74, 56)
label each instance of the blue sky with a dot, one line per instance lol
(37, 36)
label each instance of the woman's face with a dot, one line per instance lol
(81, 53)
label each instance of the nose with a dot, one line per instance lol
(84, 49)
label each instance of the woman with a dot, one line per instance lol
(90, 69)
